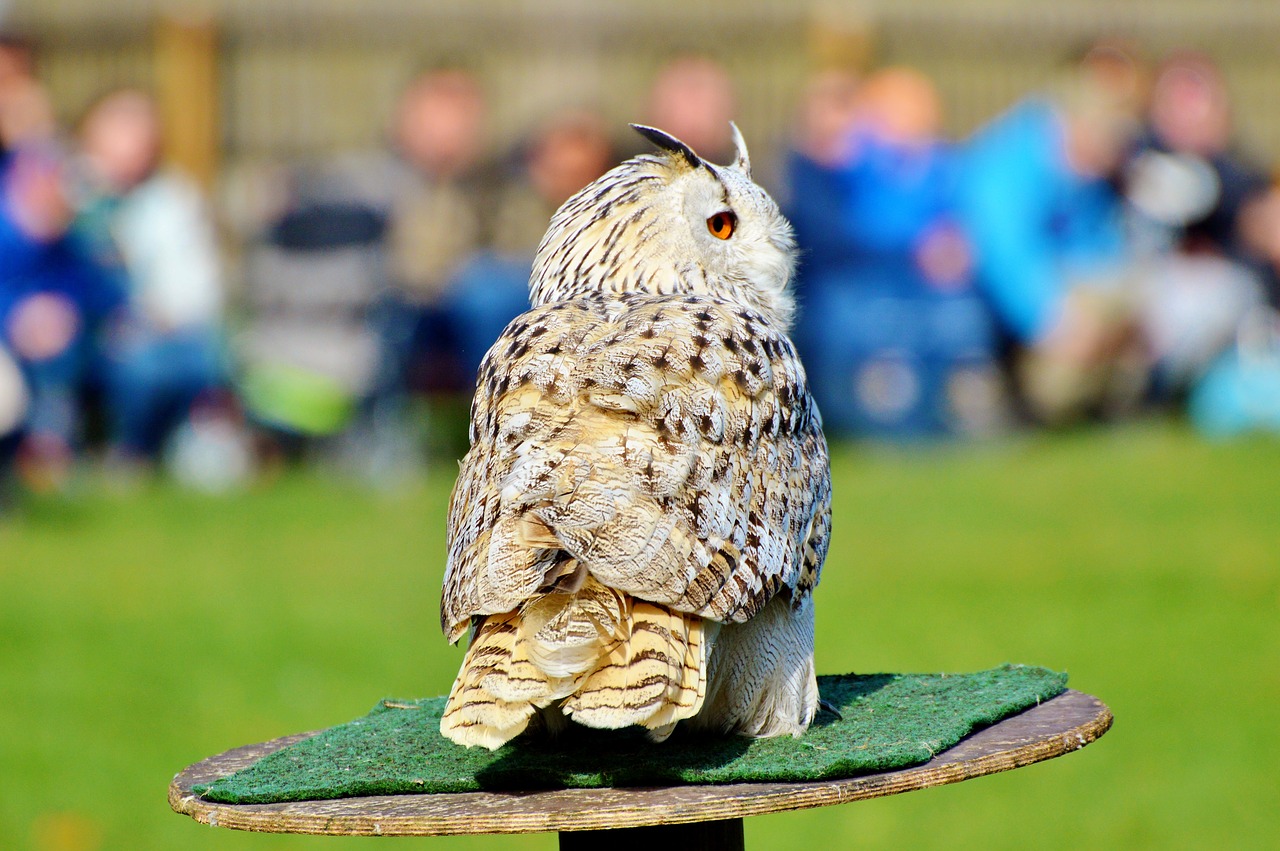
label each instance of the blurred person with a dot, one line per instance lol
(902, 180)
(53, 296)
(14, 400)
(315, 363)
(1052, 256)
(815, 191)
(898, 342)
(1260, 234)
(150, 226)
(1119, 67)
(1239, 391)
(434, 189)
(692, 98)
(1190, 118)
(1188, 187)
(438, 214)
(349, 280)
(25, 111)
(439, 218)
(564, 154)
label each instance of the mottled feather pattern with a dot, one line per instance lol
(700, 412)
(639, 524)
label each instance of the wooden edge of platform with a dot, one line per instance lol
(1058, 726)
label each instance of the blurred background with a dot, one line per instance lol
(251, 254)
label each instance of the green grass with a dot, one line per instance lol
(139, 634)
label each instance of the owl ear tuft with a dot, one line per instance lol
(668, 143)
(742, 161)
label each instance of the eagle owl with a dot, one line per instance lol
(638, 527)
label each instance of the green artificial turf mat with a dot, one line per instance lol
(887, 721)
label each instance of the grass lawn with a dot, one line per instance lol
(139, 634)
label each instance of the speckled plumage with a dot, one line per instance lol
(638, 527)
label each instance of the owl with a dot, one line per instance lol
(639, 524)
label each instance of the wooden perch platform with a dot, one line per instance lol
(700, 816)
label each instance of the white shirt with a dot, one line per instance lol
(170, 252)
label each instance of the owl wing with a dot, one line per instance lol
(668, 445)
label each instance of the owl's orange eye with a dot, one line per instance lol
(723, 224)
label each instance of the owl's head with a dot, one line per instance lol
(671, 222)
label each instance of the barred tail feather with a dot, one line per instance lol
(654, 675)
(613, 661)
(475, 714)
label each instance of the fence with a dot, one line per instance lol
(301, 77)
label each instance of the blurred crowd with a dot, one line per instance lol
(111, 294)
(1102, 247)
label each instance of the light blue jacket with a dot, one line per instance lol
(1037, 226)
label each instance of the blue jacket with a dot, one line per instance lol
(62, 266)
(860, 223)
(1036, 225)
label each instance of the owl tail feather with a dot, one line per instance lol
(599, 657)
(474, 714)
(654, 675)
